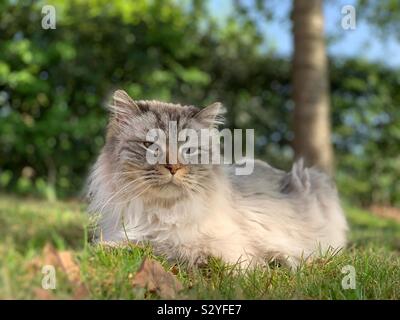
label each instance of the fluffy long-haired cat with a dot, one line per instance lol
(190, 212)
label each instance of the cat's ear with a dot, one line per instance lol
(212, 115)
(122, 107)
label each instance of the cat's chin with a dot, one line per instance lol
(171, 189)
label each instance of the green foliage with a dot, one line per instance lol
(384, 14)
(54, 85)
(366, 120)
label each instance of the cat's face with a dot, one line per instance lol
(170, 177)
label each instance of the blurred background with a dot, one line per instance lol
(291, 70)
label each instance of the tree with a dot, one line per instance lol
(312, 129)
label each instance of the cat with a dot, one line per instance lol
(191, 212)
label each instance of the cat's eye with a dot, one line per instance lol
(191, 150)
(147, 144)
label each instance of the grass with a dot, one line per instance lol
(27, 225)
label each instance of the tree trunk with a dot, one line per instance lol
(312, 129)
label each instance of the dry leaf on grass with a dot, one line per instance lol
(64, 261)
(43, 294)
(80, 292)
(50, 255)
(386, 212)
(152, 277)
(174, 269)
(69, 266)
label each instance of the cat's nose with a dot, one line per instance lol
(173, 168)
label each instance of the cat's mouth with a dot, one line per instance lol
(174, 181)
(170, 189)
(170, 182)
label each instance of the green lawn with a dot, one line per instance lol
(27, 225)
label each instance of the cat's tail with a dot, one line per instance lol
(297, 180)
(315, 190)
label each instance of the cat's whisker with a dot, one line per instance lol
(132, 190)
(141, 172)
(198, 186)
(116, 174)
(134, 198)
(119, 192)
(188, 192)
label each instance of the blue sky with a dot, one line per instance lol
(362, 42)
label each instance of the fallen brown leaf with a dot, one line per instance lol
(386, 212)
(64, 261)
(50, 255)
(43, 294)
(174, 269)
(80, 292)
(152, 277)
(69, 266)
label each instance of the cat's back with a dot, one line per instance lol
(306, 199)
(269, 181)
(264, 179)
